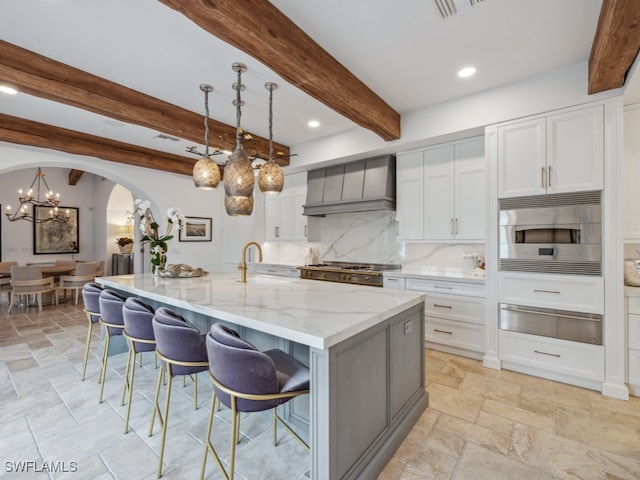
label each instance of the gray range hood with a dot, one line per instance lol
(361, 186)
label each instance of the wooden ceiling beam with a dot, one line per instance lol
(259, 29)
(27, 132)
(615, 45)
(75, 176)
(43, 77)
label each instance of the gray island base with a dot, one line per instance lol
(364, 347)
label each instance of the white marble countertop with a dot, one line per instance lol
(317, 314)
(439, 273)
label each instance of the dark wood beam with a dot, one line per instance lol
(259, 29)
(46, 78)
(75, 176)
(27, 132)
(615, 45)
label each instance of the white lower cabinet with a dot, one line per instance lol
(633, 344)
(454, 315)
(570, 362)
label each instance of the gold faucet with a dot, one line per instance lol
(243, 264)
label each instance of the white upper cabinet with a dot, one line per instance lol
(409, 195)
(631, 172)
(552, 154)
(441, 192)
(283, 212)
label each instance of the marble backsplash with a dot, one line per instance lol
(368, 237)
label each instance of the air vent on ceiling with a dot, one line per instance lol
(452, 7)
(162, 136)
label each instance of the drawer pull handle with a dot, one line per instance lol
(442, 331)
(440, 286)
(547, 291)
(545, 353)
(442, 306)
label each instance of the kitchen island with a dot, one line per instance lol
(364, 347)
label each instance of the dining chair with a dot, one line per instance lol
(138, 330)
(111, 303)
(99, 268)
(248, 380)
(85, 273)
(182, 351)
(5, 282)
(27, 281)
(90, 296)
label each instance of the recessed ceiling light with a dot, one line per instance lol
(466, 72)
(314, 124)
(8, 90)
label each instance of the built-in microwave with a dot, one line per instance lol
(555, 233)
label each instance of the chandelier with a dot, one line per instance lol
(239, 178)
(27, 199)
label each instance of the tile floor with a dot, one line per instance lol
(481, 423)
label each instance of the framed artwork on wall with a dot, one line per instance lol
(55, 237)
(196, 229)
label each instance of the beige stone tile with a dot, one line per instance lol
(481, 464)
(541, 401)
(565, 458)
(610, 436)
(426, 460)
(621, 467)
(445, 442)
(489, 387)
(495, 423)
(520, 415)
(393, 471)
(454, 402)
(612, 409)
(423, 427)
(482, 436)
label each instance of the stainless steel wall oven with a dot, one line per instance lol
(555, 233)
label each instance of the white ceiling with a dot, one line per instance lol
(402, 49)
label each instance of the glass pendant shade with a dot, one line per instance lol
(271, 178)
(238, 174)
(206, 174)
(238, 206)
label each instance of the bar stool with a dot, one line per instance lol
(182, 351)
(111, 303)
(248, 380)
(138, 330)
(90, 295)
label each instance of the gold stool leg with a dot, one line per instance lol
(166, 420)
(86, 348)
(130, 387)
(126, 385)
(105, 356)
(156, 407)
(234, 438)
(208, 446)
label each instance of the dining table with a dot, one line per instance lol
(47, 271)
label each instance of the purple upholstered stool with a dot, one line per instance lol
(138, 330)
(90, 295)
(248, 380)
(182, 350)
(111, 303)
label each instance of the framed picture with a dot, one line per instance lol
(196, 229)
(53, 236)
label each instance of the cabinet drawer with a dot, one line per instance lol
(558, 356)
(633, 305)
(634, 367)
(455, 307)
(468, 336)
(396, 283)
(436, 286)
(634, 330)
(564, 292)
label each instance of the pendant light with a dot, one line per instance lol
(271, 178)
(206, 172)
(27, 199)
(238, 171)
